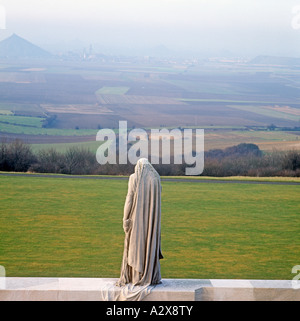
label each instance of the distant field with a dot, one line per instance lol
(83, 109)
(266, 140)
(63, 147)
(74, 229)
(209, 100)
(137, 100)
(280, 146)
(204, 87)
(86, 96)
(282, 113)
(112, 91)
(6, 112)
(19, 129)
(22, 109)
(21, 120)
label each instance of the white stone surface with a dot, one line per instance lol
(220, 283)
(175, 290)
(90, 289)
(248, 290)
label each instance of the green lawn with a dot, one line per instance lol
(56, 227)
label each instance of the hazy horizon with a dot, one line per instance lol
(194, 27)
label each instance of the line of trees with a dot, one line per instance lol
(248, 160)
(240, 160)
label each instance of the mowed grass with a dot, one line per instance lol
(57, 227)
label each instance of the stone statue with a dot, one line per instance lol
(142, 227)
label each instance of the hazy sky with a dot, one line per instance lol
(247, 27)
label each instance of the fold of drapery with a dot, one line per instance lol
(127, 292)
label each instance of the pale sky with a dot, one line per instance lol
(247, 27)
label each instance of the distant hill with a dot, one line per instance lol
(272, 60)
(17, 47)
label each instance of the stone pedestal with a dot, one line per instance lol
(91, 289)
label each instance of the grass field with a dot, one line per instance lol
(63, 147)
(73, 228)
(21, 120)
(229, 101)
(19, 129)
(5, 112)
(220, 138)
(205, 87)
(28, 109)
(112, 90)
(149, 94)
(266, 140)
(267, 111)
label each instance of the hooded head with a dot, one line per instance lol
(142, 166)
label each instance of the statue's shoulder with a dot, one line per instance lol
(132, 183)
(132, 179)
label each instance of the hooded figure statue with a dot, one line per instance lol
(142, 227)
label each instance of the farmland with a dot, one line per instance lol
(112, 91)
(209, 230)
(85, 96)
(214, 138)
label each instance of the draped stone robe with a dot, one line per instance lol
(142, 226)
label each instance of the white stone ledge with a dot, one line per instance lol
(90, 289)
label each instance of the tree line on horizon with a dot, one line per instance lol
(240, 160)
